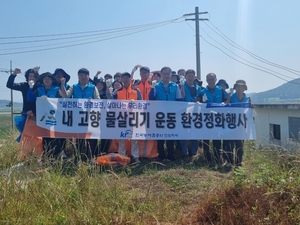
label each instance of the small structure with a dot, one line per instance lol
(278, 125)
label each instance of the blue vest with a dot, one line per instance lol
(50, 93)
(166, 95)
(87, 92)
(234, 98)
(217, 95)
(188, 97)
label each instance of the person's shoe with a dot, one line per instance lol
(228, 165)
(185, 157)
(171, 158)
(136, 160)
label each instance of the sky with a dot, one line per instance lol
(268, 29)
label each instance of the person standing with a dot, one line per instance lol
(192, 91)
(127, 92)
(212, 94)
(165, 90)
(46, 87)
(237, 97)
(60, 73)
(23, 87)
(83, 89)
(147, 148)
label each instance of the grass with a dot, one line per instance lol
(264, 191)
(5, 125)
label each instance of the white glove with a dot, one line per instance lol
(108, 82)
(31, 83)
(135, 68)
(44, 97)
(181, 81)
(204, 98)
(37, 68)
(154, 83)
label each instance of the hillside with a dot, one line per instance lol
(288, 92)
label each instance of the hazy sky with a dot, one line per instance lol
(267, 28)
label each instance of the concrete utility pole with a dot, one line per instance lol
(12, 101)
(10, 104)
(196, 14)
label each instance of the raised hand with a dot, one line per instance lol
(16, 71)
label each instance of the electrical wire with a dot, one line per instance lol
(245, 59)
(254, 67)
(232, 43)
(98, 40)
(248, 64)
(62, 43)
(85, 32)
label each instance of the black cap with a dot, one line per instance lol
(107, 75)
(145, 68)
(126, 74)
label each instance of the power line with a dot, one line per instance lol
(228, 40)
(254, 67)
(99, 40)
(246, 63)
(245, 59)
(59, 43)
(85, 32)
(94, 34)
(68, 42)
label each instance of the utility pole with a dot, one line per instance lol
(196, 14)
(12, 101)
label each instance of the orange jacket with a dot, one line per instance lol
(131, 93)
(144, 88)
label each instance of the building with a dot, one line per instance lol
(278, 125)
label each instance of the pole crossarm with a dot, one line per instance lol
(193, 14)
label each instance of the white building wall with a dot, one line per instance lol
(265, 117)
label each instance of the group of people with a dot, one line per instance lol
(159, 85)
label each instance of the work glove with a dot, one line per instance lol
(154, 83)
(181, 81)
(31, 83)
(37, 68)
(204, 98)
(44, 97)
(108, 82)
(135, 68)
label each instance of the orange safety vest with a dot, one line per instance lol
(144, 88)
(127, 94)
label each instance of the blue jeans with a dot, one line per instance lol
(184, 147)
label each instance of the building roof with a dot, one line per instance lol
(278, 106)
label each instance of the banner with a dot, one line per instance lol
(140, 120)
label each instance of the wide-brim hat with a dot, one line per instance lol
(47, 74)
(222, 81)
(240, 83)
(198, 82)
(67, 76)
